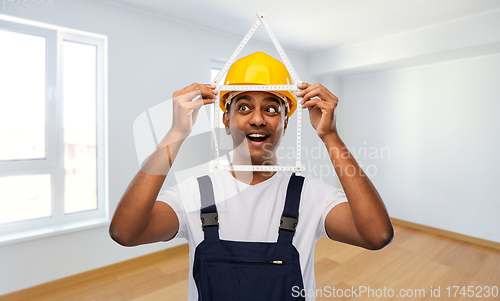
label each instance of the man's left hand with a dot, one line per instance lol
(321, 104)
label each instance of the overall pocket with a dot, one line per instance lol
(246, 279)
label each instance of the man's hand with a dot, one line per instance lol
(139, 217)
(364, 220)
(321, 104)
(186, 105)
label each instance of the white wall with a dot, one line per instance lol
(474, 35)
(440, 123)
(149, 58)
(427, 133)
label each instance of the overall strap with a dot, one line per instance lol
(208, 214)
(289, 218)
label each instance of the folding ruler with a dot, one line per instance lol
(221, 87)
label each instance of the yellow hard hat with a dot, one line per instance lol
(259, 68)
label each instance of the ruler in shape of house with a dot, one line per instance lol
(261, 19)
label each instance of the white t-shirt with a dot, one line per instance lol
(252, 213)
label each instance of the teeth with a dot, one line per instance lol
(256, 135)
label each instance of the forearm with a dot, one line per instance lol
(136, 205)
(367, 207)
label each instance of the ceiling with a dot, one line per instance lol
(316, 26)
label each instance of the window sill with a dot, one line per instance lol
(11, 238)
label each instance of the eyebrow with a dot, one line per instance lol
(249, 98)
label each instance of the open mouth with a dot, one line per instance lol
(257, 138)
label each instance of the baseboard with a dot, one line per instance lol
(454, 235)
(31, 292)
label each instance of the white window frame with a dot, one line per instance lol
(53, 164)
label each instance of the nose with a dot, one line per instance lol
(257, 118)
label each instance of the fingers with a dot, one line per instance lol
(311, 92)
(321, 104)
(206, 93)
(305, 88)
(198, 102)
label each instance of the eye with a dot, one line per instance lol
(243, 108)
(271, 110)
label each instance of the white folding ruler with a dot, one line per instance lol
(221, 87)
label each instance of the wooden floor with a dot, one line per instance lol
(415, 260)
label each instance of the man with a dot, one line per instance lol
(255, 238)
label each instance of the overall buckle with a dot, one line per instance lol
(288, 223)
(209, 219)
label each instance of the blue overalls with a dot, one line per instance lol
(233, 270)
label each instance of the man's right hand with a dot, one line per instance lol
(186, 105)
(139, 218)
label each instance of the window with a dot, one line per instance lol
(52, 120)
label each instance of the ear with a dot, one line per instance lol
(285, 123)
(225, 120)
